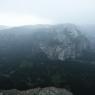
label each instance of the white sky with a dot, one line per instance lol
(26, 12)
(12, 19)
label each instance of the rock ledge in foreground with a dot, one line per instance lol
(37, 91)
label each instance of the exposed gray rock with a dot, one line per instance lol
(37, 91)
(67, 42)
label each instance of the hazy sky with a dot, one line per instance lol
(26, 12)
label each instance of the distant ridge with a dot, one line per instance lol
(2, 27)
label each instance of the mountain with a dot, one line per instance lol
(47, 55)
(3, 27)
(58, 42)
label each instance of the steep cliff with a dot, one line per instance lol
(64, 42)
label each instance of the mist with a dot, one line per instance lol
(46, 12)
(47, 47)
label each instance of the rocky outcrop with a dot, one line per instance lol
(66, 42)
(37, 91)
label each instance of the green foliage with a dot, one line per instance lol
(39, 71)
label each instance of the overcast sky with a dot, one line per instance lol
(26, 12)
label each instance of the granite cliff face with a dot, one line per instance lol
(37, 91)
(64, 42)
